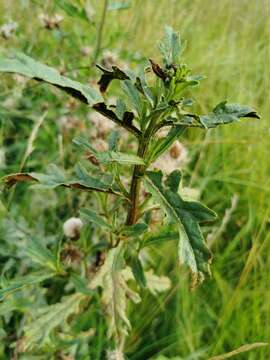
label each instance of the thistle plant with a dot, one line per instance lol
(119, 215)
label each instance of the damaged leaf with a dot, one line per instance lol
(109, 75)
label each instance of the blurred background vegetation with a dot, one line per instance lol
(228, 41)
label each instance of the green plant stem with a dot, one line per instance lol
(138, 173)
(100, 30)
(135, 187)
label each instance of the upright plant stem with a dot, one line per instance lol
(134, 196)
(100, 30)
(138, 173)
(135, 186)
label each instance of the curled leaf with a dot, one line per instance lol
(158, 70)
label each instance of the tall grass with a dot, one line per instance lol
(228, 41)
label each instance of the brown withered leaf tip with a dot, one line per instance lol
(108, 76)
(12, 179)
(158, 70)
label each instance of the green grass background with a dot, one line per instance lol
(228, 41)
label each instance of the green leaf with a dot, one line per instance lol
(113, 140)
(84, 181)
(134, 230)
(161, 145)
(120, 109)
(142, 86)
(137, 269)
(134, 96)
(16, 284)
(171, 47)
(81, 284)
(115, 292)
(55, 178)
(50, 317)
(93, 217)
(193, 251)
(165, 233)
(42, 255)
(26, 66)
(225, 113)
(107, 157)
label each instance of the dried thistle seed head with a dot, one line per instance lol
(72, 227)
(51, 22)
(70, 255)
(8, 29)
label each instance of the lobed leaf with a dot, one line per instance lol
(225, 113)
(38, 331)
(193, 251)
(171, 47)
